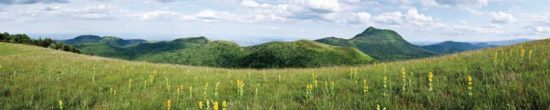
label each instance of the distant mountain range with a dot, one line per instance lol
(497, 43)
(448, 47)
(366, 47)
(203, 52)
(454, 47)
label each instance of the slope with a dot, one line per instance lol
(511, 77)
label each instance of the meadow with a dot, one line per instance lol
(511, 77)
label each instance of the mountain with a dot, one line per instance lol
(381, 44)
(453, 47)
(200, 51)
(83, 39)
(500, 78)
(109, 40)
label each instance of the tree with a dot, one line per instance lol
(47, 42)
(20, 38)
(43, 42)
(4, 36)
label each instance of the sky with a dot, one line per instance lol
(256, 21)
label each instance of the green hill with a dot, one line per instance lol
(302, 53)
(510, 77)
(83, 39)
(448, 47)
(199, 51)
(107, 40)
(216, 54)
(381, 44)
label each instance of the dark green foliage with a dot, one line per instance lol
(24, 39)
(381, 44)
(202, 52)
(83, 39)
(3, 36)
(44, 42)
(448, 47)
(217, 53)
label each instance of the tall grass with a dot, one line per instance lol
(36, 78)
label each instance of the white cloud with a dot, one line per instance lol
(501, 17)
(455, 3)
(254, 4)
(390, 18)
(266, 12)
(10, 2)
(97, 12)
(430, 3)
(362, 17)
(356, 18)
(94, 12)
(411, 17)
(542, 30)
(319, 6)
(163, 15)
(402, 2)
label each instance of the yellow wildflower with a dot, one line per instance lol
(169, 104)
(403, 78)
(60, 104)
(240, 85)
(309, 88)
(365, 87)
(224, 105)
(430, 80)
(470, 85)
(216, 105)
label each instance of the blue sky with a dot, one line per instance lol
(267, 20)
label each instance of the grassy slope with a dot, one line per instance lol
(36, 78)
(302, 53)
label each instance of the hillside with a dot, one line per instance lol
(510, 77)
(448, 47)
(107, 40)
(381, 44)
(216, 54)
(302, 53)
(200, 51)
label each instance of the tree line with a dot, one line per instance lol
(46, 43)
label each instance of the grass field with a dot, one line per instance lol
(514, 77)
